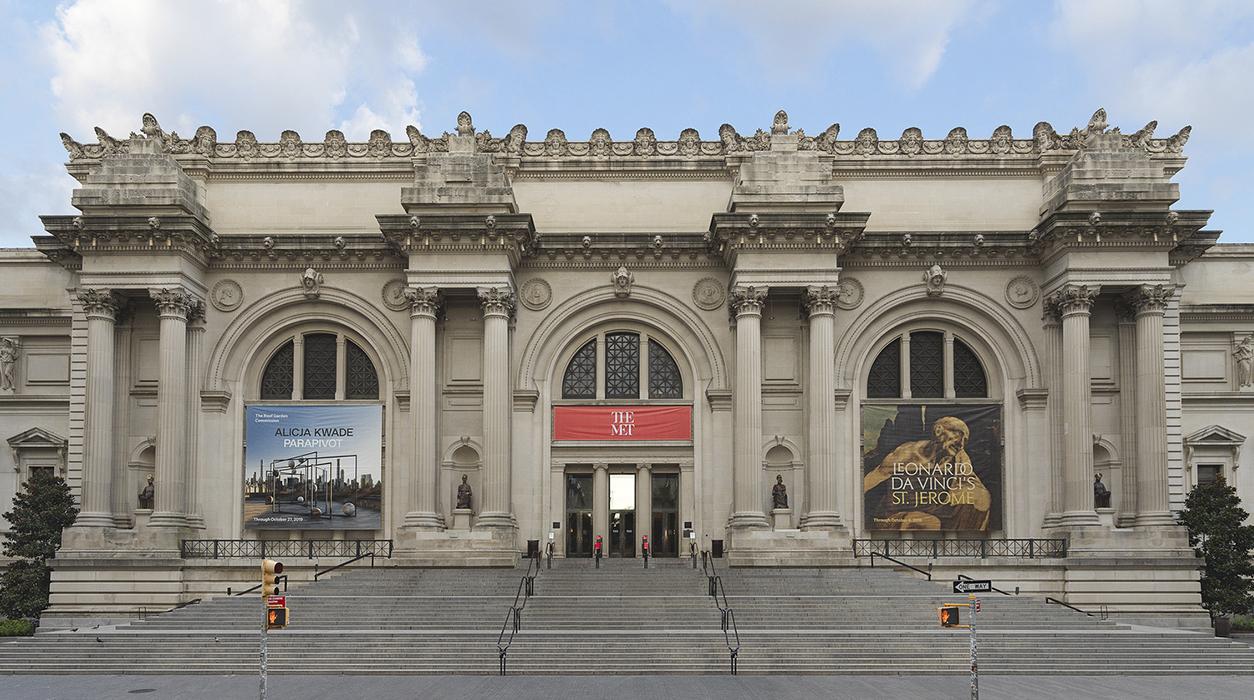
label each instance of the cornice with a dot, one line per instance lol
(128, 234)
(326, 251)
(512, 234)
(733, 232)
(954, 248)
(42, 318)
(1206, 313)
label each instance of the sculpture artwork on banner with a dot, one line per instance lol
(779, 494)
(464, 494)
(932, 467)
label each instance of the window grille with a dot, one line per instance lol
(622, 366)
(276, 380)
(884, 381)
(665, 381)
(580, 380)
(969, 379)
(319, 366)
(361, 380)
(927, 365)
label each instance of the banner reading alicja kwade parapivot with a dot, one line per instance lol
(313, 467)
(932, 467)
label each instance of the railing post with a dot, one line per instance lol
(215, 549)
(1031, 549)
(263, 549)
(983, 549)
(935, 548)
(359, 548)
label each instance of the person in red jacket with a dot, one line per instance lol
(644, 549)
(596, 550)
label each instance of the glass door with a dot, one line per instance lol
(578, 515)
(664, 539)
(622, 515)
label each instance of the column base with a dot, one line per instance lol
(1078, 518)
(1050, 520)
(456, 548)
(748, 520)
(95, 520)
(822, 520)
(495, 519)
(1158, 519)
(423, 520)
(790, 548)
(168, 519)
(781, 518)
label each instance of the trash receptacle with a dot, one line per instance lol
(533, 549)
(716, 548)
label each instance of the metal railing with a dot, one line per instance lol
(260, 549)
(1027, 548)
(730, 632)
(513, 618)
(277, 579)
(318, 573)
(927, 572)
(1103, 613)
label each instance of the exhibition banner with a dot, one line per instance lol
(932, 467)
(313, 467)
(622, 423)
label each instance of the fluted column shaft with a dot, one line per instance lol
(100, 306)
(1075, 302)
(747, 498)
(173, 307)
(1053, 367)
(498, 305)
(601, 503)
(1153, 507)
(644, 508)
(821, 496)
(1128, 381)
(195, 341)
(423, 310)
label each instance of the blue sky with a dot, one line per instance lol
(313, 65)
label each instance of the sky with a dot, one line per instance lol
(314, 65)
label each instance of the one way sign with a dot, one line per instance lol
(968, 586)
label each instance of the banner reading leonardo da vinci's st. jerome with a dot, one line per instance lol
(932, 467)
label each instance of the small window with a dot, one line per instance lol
(969, 379)
(926, 369)
(580, 380)
(622, 366)
(622, 375)
(1209, 473)
(320, 370)
(664, 379)
(320, 361)
(276, 381)
(884, 381)
(927, 365)
(360, 381)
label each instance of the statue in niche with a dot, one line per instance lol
(146, 495)
(464, 494)
(8, 363)
(1101, 494)
(1244, 355)
(779, 494)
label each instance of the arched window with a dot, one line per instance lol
(939, 366)
(331, 367)
(628, 358)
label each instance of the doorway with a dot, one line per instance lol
(578, 515)
(665, 521)
(622, 515)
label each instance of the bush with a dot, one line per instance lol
(1243, 623)
(16, 628)
(1219, 534)
(42, 509)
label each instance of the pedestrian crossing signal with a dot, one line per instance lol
(276, 618)
(948, 615)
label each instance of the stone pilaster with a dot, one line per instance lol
(746, 304)
(498, 306)
(644, 507)
(1075, 304)
(195, 344)
(423, 311)
(823, 511)
(1150, 302)
(1126, 315)
(101, 308)
(601, 503)
(122, 499)
(174, 306)
(1053, 369)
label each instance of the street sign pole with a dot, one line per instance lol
(975, 665)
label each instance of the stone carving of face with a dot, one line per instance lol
(951, 434)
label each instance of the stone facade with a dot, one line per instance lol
(1112, 334)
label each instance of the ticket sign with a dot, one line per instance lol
(622, 423)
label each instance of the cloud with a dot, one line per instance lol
(27, 191)
(910, 36)
(298, 64)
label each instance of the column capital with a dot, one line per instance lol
(747, 300)
(99, 302)
(496, 301)
(820, 300)
(423, 301)
(1125, 310)
(173, 302)
(601, 466)
(1150, 298)
(1074, 299)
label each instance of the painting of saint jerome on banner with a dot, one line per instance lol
(932, 467)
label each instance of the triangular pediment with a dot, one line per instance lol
(1214, 435)
(36, 438)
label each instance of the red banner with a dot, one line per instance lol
(622, 422)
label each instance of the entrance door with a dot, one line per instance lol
(622, 515)
(665, 522)
(578, 515)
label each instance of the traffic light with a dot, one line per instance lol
(270, 571)
(276, 618)
(948, 615)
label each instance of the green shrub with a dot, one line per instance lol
(1221, 536)
(40, 512)
(16, 628)
(1243, 623)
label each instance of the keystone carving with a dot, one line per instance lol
(311, 283)
(622, 280)
(934, 277)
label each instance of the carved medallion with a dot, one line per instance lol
(226, 295)
(708, 294)
(394, 295)
(536, 294)
(848, 293)
(1022, 292)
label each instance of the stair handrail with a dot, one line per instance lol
(726, 614)
(1055, 601)
(927, 572)
(277, 579)
(342, 564)
(964, 577)
(526, 589)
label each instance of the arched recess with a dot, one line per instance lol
(462, 457)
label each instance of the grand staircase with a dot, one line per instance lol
(623, 619)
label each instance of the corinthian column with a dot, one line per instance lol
(747, 439)
(822, 498)
(191, 468)
(1074, 303)
(101, 307)
(498, 306)
(1126, 315)
(173, 307)
(1053, 368)
(423, 310)
(1150, 301)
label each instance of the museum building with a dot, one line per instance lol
(1004, 354)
